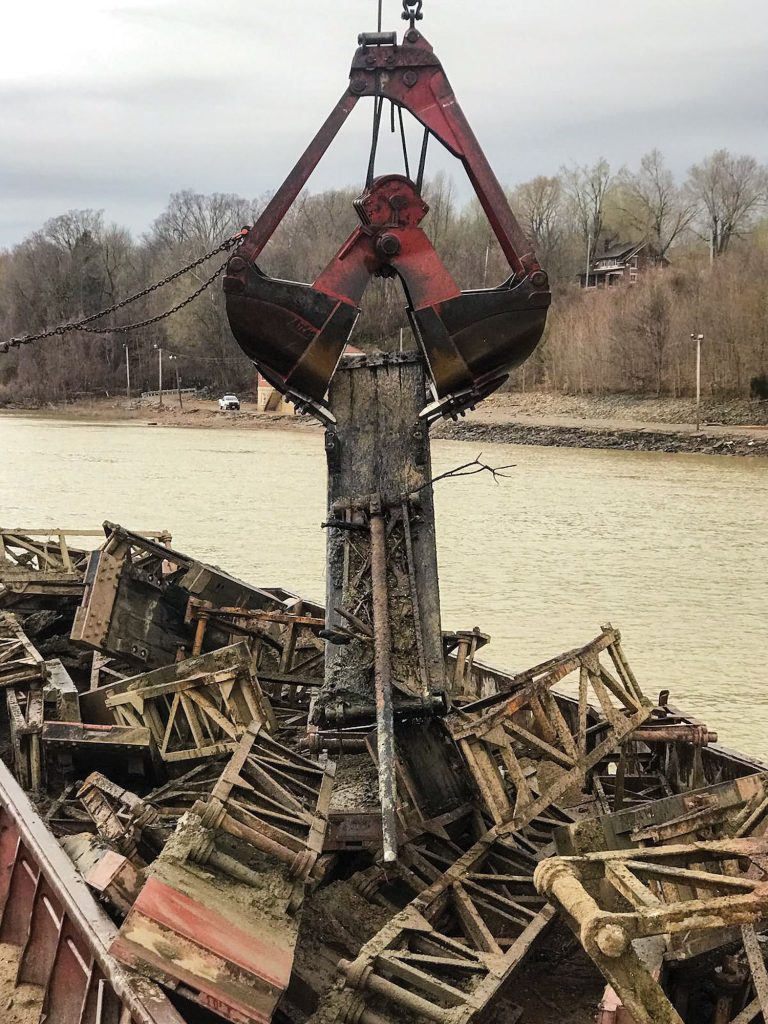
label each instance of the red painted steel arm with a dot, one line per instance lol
(296, 333)
(413, 77)
(286, 195)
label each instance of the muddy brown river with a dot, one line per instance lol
(670, 548)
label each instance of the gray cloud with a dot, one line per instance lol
(116, 105)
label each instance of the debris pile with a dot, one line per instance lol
(163, 717)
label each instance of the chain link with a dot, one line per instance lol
(81, 325)
(412, 11)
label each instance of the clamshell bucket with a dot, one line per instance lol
(294, 333)
(479, 336)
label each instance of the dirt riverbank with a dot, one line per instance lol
(615, 422)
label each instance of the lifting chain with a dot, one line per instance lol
(412, 11)
(81, 325)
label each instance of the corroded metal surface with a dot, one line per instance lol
(46, 908)
(669, 891)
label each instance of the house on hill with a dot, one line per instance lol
(621, 263)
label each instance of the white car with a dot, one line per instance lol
(229, 403)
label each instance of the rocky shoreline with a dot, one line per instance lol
(641, 440)
(720, 439)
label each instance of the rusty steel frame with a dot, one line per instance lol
(197, 708)
(135, 595)
(274, 799)
(25, 714)
(47, 910)
(734, 808)
(670, 890)
(475, 922)
(288, 653)
(491, 731)
(120, 816)
(179, 795)
(460, 648)
(42, 563)
(21, 664)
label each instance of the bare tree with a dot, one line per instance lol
(70, 229)
(191, 218)
(651, 321)
(588, 188)
(654, 204)
(540, 204)
(728, 191)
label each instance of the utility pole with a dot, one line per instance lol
(160, 372)
(589, 247)
(698, 338)
(178, 379)
(127, 373)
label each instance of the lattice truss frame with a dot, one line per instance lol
(21, 664)
(672, 893)
(42, 562)
(449, 952)
(288, 652)
(202, 711)
(273, 798)
(495, 732)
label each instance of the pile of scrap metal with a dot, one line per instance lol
(240, 847)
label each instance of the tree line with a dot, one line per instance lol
(712, 228)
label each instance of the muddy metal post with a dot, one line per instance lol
(379, 446)
(382, 636)
(384, 656)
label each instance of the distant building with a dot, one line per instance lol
(621, 263)
(269, 399)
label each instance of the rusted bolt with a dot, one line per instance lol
(357, 84)
(357, 971)
(410, 78)
(611, 940)
(236, 265)
(388, 246)
(370, 60)
(412, 36)
(539, 279)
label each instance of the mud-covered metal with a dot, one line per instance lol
(615, 899)
(64, 936)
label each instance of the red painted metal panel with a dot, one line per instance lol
(40, 949)
(192, 920)
(21, 893)
(68, 983)
(39, 887)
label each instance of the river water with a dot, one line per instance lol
(670, 548)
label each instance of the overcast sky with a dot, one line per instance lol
(114, 104)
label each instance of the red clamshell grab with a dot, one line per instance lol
(296, 333)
